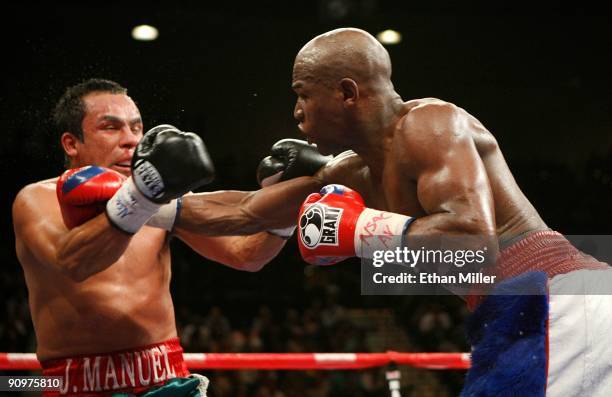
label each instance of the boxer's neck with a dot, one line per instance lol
(375, 138)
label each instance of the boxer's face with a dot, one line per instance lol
(319, 113)
(112, 128)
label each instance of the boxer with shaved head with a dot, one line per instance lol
(424, 168)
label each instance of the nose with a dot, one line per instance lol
(129, 138)
(298, 113)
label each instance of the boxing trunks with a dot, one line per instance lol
(552, 338)
(153, 370)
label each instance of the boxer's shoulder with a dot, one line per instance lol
(35, 197)
(37, 190)
(49, 182)
(432, 120)
(426, 103)
(427, 110)
(438, 111)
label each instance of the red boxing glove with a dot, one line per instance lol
(335, 224)
(83, 192)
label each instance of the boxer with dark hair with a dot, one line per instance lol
(94, 243)
(426, 167)
(70, 110)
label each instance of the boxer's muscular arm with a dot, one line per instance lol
(452, 184)
(242, 213)
(40, 233)
(240, 217)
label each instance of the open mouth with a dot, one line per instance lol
(122, 167)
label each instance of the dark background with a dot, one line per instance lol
(540, 81)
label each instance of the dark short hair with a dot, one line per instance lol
(70, 109)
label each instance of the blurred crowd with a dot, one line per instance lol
(325, 325)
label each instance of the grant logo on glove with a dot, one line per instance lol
(335, 224)
(319, 225)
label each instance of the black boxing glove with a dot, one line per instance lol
(290, 158)
(166, 164)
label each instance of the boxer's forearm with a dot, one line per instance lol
(90, 248)
(215, 214)
(278, 205)
(240, 213)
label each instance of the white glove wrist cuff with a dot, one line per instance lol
(379, 231)
(129, 209)
(167, 215)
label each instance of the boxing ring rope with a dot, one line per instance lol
(286, 361)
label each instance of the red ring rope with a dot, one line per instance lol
(297, 361)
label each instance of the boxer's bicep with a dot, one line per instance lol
(457, 184)
(450, 176)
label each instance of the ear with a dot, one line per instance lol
(69, 144)
(350, 91)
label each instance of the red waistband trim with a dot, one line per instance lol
(132, 370)
(546, 251)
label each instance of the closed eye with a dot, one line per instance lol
(136, 128)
